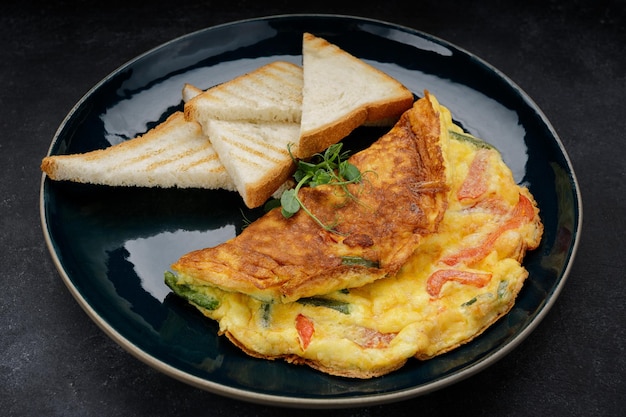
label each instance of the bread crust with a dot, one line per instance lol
(317, 140)
(258, 193)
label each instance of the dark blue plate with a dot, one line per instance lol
(112, 245)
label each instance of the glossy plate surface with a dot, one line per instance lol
(112, 245)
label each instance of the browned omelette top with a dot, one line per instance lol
(402, 197)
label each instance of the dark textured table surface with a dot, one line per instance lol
(567, 55)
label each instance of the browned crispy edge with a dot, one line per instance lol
(297, 360)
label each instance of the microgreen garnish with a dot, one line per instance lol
(246, 221)
(331, 168)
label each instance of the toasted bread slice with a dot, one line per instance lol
(173, 154)
(341, 93)
(271, 93)
(256, 155)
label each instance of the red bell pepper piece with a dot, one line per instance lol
(476, 182)
(441, 276)
(305, 328)
(522, 213)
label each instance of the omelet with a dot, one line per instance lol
(460, 279)
(401, 197)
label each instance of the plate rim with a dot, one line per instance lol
(309, 402)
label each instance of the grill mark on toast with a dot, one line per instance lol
(248, 161)
(275, 87)
(261, 150)
(191, 157)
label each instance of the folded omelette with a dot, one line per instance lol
(438, 232)
(402, 197)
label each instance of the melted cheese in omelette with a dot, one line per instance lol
(459, 281)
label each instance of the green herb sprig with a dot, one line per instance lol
(330, 167)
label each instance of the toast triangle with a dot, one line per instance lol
(173, 154)
(341, 93)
